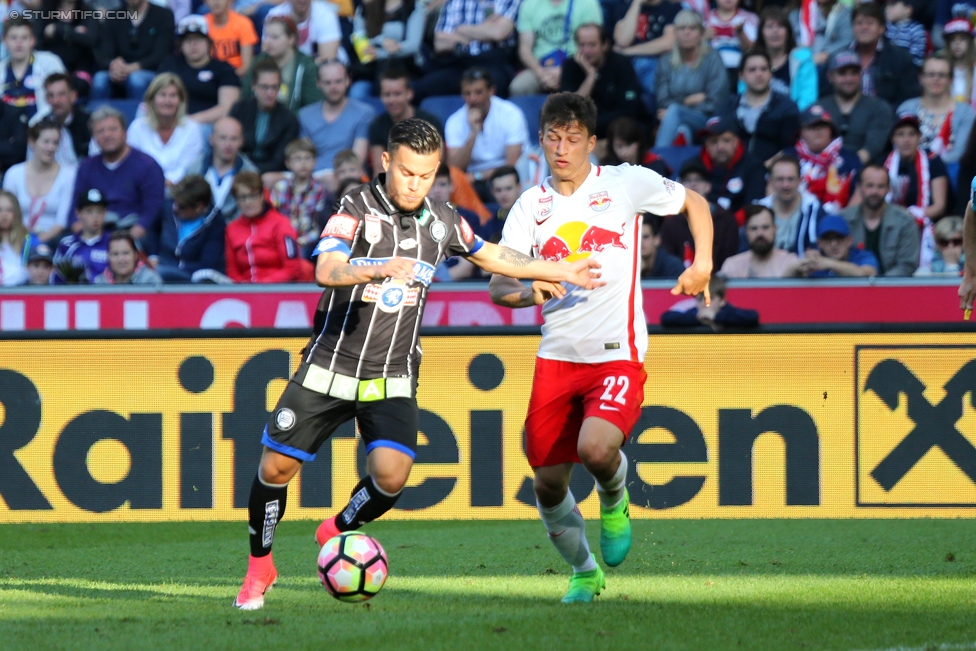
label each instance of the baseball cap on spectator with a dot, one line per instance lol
(957, 26)
(815, 115)
(907, 120)
(833, 224)
(193, 24)
(845, 59)
(718, 125)
(694, 165)
(93, 197)
(40, 252)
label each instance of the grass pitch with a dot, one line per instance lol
(712, 585)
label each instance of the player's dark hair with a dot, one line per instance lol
(872, 166)
(754, 52)
(192, 190)
(11, 23)
(35, 130)
(503, 171)
(417, 134)
(477, 74)
(754, 209)
(791, 160)
(265, 66)
(604, 38)
(563, 110)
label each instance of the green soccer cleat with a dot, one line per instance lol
(615, 532)
(583, 586)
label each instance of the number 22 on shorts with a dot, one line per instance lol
(621, 384)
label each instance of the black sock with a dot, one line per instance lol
(366, 504)
(265, 509)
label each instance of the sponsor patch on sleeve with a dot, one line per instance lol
(466, 231)
(341, 226)
(330, 244)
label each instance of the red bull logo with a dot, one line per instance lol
(600, 201)
(576, 240)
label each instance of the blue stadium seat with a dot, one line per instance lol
(530, 105)
(127, 107)
(442, 106)
(376, 103)
(675, 156)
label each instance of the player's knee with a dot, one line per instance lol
(391, 483)
(547, 492)
(596, 454)
(276, 470)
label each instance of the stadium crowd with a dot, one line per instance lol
(150, 141)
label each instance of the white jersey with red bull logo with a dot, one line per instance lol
(600, 220)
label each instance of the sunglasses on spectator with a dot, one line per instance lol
(955, 241)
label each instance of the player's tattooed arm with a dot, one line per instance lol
(513, 257)
(508, 262)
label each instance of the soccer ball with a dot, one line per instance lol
(352, 567)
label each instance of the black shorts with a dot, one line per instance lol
(304, 419)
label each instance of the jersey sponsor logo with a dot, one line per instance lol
(374, 229)
(391, 296)
(342, 226)
(438, 230)
(600, 201)
(423, 272)
(576, 240)
(544, 208)
(285, 419)
(735, 185)
(669, 186)
(466, 231)
(408, 243)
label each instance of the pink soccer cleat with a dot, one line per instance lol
(326, 531)
(261, 576)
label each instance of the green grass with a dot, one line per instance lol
(464, 586)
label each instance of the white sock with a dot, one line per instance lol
(566, 532)
(612, 492)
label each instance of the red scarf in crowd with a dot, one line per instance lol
(819, 173)
(808, 22)
(922, 200)
(943, 141)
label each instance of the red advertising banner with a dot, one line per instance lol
(455, 305)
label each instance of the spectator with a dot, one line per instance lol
(884, 229)
(211, 85)
(948, 258)
(125, 266)
(336, 123)
(796, 212)
(486, 133)
(464, 195)
(737, 178)
(267, 124)
(40, 264)
(655, 261)
(470, 34)
(675, 233)
(602, 75)
(546, 40)
(645, 33)
(905, 32)
(131, 50)
(83, 255)
(131, 180)
(828, 169)
(919, 181)
(889, 73)
(824, 26)
(318, 27)
(392, 33)
(13, 136)
(69, 32)
(863, 122)
(224, 163)
(718, 315)
(732, 31)
(506, 187)
(763, 259)
(232, 35)
(16, 242)
(72, 119)
(835, 255)
(961, 54)
(455, 267)
(24, 69)
(627, 143)
(191, 245)
(767, 122)
(260, 247)
(165, 132)
(945, 123)
(298, 70)
(300, 198)
(397, 98)
(42, 185)
(794, 72)
(947, 10)
(691, 82)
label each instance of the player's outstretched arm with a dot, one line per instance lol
(333, 270)
(509, 262)
(967, 290)
(509, 292)
(694, 280)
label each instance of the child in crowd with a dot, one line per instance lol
(346, 165)
(15, 241)
(905, 32)
(720, 314)
(233, 35)
(84, 255)
(301, 197)
(731, 31)
(961, 53)
(948, 258)
(40, 264)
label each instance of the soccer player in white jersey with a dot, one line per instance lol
(589, 375)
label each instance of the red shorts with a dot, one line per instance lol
(566, 393)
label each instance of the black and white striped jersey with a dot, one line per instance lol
(372, 330)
